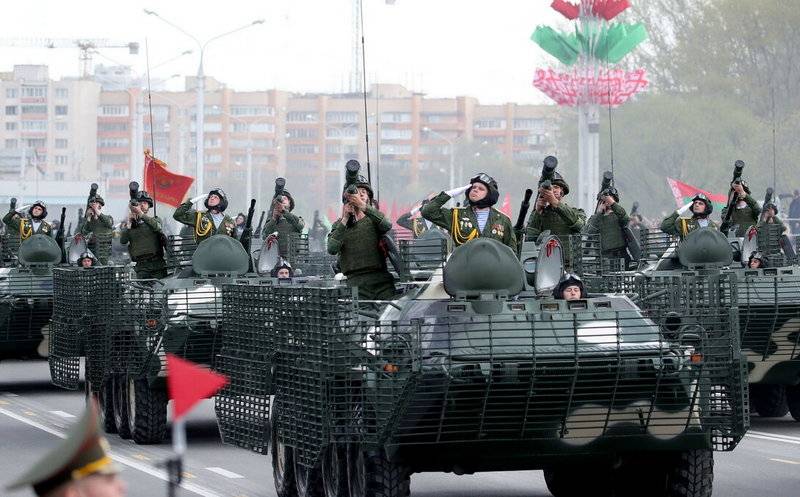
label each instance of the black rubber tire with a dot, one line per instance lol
(282, 461)
(372, 474)
(147, 412)
(334, 471)
(103, 397)
(307, 481)
(769, 401)
(692, 474)
(561, 481)
(793, 399)
(119, 402)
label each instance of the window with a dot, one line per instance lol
(343, 132)
(11, 110)
(532, 124)
(490, 124)
(211, 174)
(11, 126)
(301, 165)
(238, 175)
(160, 113)
(434, 150)
(442, 117)
(259, 143)
(302, 149)
(11, 93)
(113, 110)
(62, 93)
(302, 133)
(61, 160)
(213, 158)
(34, 125)
(112, 126)
(395, 134)
(58, 176)
(395, 117)
(110, 143)
(61, 126)
(302, 117)
(211, 110)
(212, 127)
(392, 149)
(341, 117)
(35, 142)
(34, 109)
(61, 110)
(494, 140)
(11, 143)
(252, 110)
(61, 143)
(212, 143)
(34, 91)
(395, 164)
(112, 158)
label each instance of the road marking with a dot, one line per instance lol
(141, 457)
(224, 472)
(62, 414)
(186, 474)
(785, 461)
(191, 487)
(29, 413)
(9, 394)
(776, 435)
(774, 439)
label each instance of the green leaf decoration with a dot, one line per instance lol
(618, 40)
(564, 47)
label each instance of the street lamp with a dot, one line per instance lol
(201, 86)
(452, 155)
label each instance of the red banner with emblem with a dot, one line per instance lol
(164, 185)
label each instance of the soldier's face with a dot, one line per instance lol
(98, 486)
(36, 211)
(144, 206)
(239, 220)
(755, 263)
(698, 207)
(558, 191)
(96, 206)
(363, 194)
(572, 292)
(283, 273)
(86, 262)
(213, 200)
(285, 202)
(478, 192)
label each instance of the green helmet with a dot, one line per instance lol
(559, 180)
(98, 199)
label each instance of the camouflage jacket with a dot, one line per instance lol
(462, 223)
(682, 226)
(203, 223)
(23, 225)
(609, 226)
(357, 245)
(742, 217)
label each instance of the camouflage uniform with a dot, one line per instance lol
(203, 223)
(462, 223)
(24, 226)
(743, 217)
(681, 226)
(144, 244)
(360, 258)
(610, 225)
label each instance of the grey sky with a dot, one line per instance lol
(442, 47)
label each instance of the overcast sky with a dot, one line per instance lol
(441, 47)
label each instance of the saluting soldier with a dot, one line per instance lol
(282, 221)
(609, 220)
(414, 222)
(101, 226)
(355, 238)
(210, 222)
(552, 213)
(143, 235)
(80, 466)
(745, 213)
(677, 225)
(479, 219)
(31, 224)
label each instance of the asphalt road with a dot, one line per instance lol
(33, 414)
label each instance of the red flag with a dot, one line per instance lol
(163, 185)
(506, 207)
(684, 192)
(332, 215)
(189, 383)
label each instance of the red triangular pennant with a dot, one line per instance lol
(189, 383)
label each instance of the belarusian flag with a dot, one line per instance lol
(684, 192)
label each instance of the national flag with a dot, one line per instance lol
(164, 185)
(189, 383)
(506, 207)
(683, 193)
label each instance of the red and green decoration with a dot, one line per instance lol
(595, 43)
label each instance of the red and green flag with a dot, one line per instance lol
(683, 193)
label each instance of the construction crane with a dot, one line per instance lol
(87, 47)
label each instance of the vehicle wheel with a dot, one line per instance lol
(769, 400)
(793, 399)
(308, 481)
(119, 401)
(561, 481)
(147, 412)
(692, 474)
(282, 462)
(334, 476)
(104, 403)
(372, 474)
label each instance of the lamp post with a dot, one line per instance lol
(201, 89)
(452, 155)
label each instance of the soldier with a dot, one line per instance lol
(240, 220)
(86, 260)
(745, 213)
(700, 207)
(79, 467)
(142, 233)
(770, 216)
(355, 238)
(282, 221)
(317, 235)
(756, 261)
(609, 220)
(570, 287)
(552, 213)
(414, 222)
(210, 222)
(282, 269)
(100, 225)
(479, 219)
(32, 224)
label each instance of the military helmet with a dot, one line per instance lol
(291, 199)
(282, 264)
(98, 199)
(559, 180)
(143, 196)
(490, 183)
(773, 206)
(569, 279)
(86, 255)
(744, 185)
(223, 199)
(709, 206)
(41, 204)
(362, 182)
(756, 255)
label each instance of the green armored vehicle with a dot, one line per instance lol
(26, 298)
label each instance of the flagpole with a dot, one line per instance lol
(152, 138)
